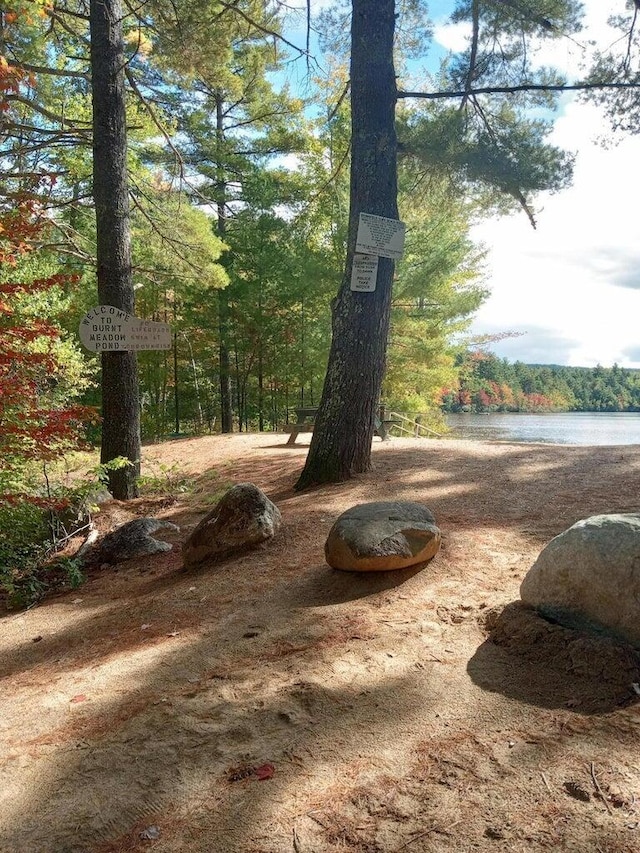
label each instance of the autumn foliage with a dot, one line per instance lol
(36, 421)
(490, 384)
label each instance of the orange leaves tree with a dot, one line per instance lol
(37, 420)
(37, 379)
(41, 373)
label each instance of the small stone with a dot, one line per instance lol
(576, 790)
(151, 833)
(494, 833)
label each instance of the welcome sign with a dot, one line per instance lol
(109, 329)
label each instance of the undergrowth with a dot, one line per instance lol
(33, 538)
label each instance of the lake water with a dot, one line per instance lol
(564, 428)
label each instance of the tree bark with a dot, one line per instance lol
(120, 395)
(226, 405)
(341, 441)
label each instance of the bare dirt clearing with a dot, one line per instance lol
(140, 711)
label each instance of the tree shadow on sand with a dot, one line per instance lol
(135, 756)
(204, 673)
(541, 663)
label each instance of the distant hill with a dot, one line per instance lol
(487, 383)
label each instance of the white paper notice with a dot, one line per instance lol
(364, 273)
(378, 235)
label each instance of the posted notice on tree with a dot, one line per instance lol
(364, 273)
(380, 236)
(108, 329)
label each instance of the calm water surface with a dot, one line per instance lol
(565, 428)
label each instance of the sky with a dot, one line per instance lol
(570, 288)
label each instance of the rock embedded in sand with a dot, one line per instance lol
(242, 519)
(382, 535)
(589, 576)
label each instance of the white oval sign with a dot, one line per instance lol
(108, 329)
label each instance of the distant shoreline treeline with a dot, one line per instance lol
(490, 384)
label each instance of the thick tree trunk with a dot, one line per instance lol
(120, 397)
(341, 441)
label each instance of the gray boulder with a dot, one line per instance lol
(133, 539)
(589, 576)
(242, 519)
(383, 535)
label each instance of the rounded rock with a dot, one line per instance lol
(382, 536)
(589, 576)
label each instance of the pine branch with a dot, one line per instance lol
(343, 95)
(511, 90)
(57, 18)
(517, 192)
(260, 28)
(42, 69)
(45, 112)
(326, 184)
(627, 59)
(17, 127)
(176, 244)
(134, 85)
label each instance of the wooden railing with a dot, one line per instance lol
(404, 422)
(411, 426)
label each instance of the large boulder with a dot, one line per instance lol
(383, 535)
(242, 519)
(589, 576)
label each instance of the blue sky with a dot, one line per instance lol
(571, 288)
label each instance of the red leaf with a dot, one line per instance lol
(265, 771)
(81, 697)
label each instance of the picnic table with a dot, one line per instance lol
(306, 416)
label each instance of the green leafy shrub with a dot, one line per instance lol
(164, 479)
(28, 568)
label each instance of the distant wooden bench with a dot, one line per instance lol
(306, 421)
(383, 428)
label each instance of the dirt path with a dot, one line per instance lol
(151, 700)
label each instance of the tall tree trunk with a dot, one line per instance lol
(341, 441)
(226, 405)
(120, 395)
(176, 383)
(260, 359)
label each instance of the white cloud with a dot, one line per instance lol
(453, 37)
(573, 285)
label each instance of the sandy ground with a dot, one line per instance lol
(273, 705)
